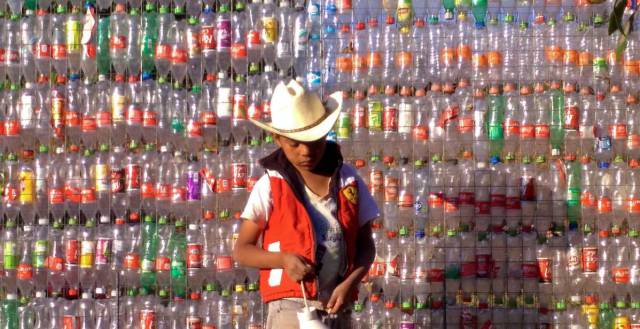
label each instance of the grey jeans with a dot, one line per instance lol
(283, 314)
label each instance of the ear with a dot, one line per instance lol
(276, 138)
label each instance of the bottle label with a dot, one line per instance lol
(390, 119)
(238, 51)
(224, 103)
(375, 120)
(253, 38)
(573, 260)
(42, 50)
(604, 205)
(621, 322)
(571, 118)
(89, 124)
(104, 119)
(147, 319)
(358, 116)
(527, 131)
(633, 205)
(391, 265)
(239, 107)
(118, 42)
(344, 125)
(194, 322)
(55, 263)
(74, 29)
(484, 265)
(72, 193)
(436, 199)
(468, 269)
(59, 52)
(587, 199)
(193, 43)
(620, 275)
(542, 131)
(118, 108)
(194, 129)
(193, 185)
(118, 180)
(618, 131)
(376, 180)
(71, 251)
(498, 200)
(40, 253)
(465, 124)
(483, 207)
(604, 143)
(163, 52)
(163, 263)
(377, 267)
(134, 116)
(448, 56)
(512, 202)
(589, 260)
(544, 270)
(466, 198)
(448, 115)
(70, 322)
(390, 189)
(89, 51)
(224, 263)
(179, 55)
(254, 111)
(223, 31)
(102, 178)
(269, 29)
(103, 251)
(9, 254)
(87, 195)
(207, 38)
(208, 118)
(194, 255)
(240, 172)
(451, 204)
(529, 271)
(407, 325)
(24, 272)
(27, 186)
(147, 191)
(132, 172)
(223, 185)
(360, 63)
(132, 261)
(12, 128)
(405, 118)
(178, 194)
(435, 275)
(149, 118)
(633, 141)
(87, 254)
(57, 111)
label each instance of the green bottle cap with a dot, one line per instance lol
(148, 219)
(252, 287)
(60, 9)
(150, 147)
(43, 149)
(12, 157)
(254, 68)
(224, 8)
(133, 12)
(210, 287)
(192, 20)
(178, 10)
(196, 89)
(104, 148)
(150, 7)
(357, 307)
(163, 220)
(225, 292)
(621, 304)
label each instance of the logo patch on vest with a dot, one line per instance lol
(351, 194)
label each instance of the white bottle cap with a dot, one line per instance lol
(40, 294)
(99, 291)
(43, 221)
(86, 295)
(12, 296)
(193, 226)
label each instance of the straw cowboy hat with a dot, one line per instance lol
(300, 115)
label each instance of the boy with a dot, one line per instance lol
(311, 212)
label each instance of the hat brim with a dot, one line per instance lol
(333, 105)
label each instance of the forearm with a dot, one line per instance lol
(254, 256)
(364, 257)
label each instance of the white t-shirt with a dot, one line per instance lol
(331, 250)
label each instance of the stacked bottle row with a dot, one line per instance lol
(514, 245)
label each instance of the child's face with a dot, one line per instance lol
(303, 155)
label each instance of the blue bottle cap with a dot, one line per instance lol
(147, 76)
(495, 160)
(480, 25)
(603, 165)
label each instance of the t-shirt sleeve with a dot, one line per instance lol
(368, 209)
(259, 204)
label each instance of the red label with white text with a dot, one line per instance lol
(544, 270)
(589, 259)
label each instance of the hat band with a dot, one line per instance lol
(307, 127)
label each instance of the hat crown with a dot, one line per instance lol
(293, 108)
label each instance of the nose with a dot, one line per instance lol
(305, 149)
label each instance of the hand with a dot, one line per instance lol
(296, 266)
(339, 297)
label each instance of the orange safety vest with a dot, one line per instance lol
(289, 227)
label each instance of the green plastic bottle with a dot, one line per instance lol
(494, 122)
(149, 37)
(178, 245)
(149, 246)
(574, 174)
(102, 46)
(10, 312)
(556, 125)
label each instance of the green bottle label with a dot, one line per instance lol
(178, 269)
(74, 34)
(9, 253)
(375, 116)
(344, 126)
